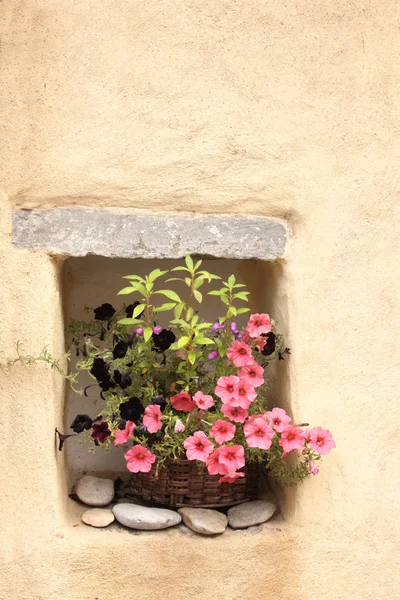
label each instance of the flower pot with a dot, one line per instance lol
(185, 483)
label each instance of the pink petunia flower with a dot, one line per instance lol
(292, 438)
(121, 436)
(254, 373)
(258, 433)
(258, 323)
(240, 354)
(314, 468)
(245, 394)
(234, 413)
(321, 440)
(232, 457)
(183, 401)
(222, 431)
(307, 436)
(139, 459)
(230, 477)
(278, 419)
(152, 418)
(227, 388)
(214, 467)
(179, 427)
(198, 446)
(203, 400)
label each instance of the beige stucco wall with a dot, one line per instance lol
(286, 109)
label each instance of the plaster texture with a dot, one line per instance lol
(285, 110)
(79, 232)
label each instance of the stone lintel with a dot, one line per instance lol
(104, 232)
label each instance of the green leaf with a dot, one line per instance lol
(241, 311)
(198, 282)
(192, 357)
(164, 307)
(138, 310)
(147, 333)
(188, 281)
(178, 310)
(195, 320)
(127, 290)
(233, 311)
(173, 279)
(179, 269)
(130, 321)
(156, 274)
(204, 326)
(239, 285)
(189, 313)
(181, 343)
(215, 293)
(197, 265)
(169, 294)
(242, 296)
(136, 277)
(189, 262)
(231, 281)
(225, 299)
(203, 341)
(208, 275)
(198, 295)
(139, 287)
(222, 320)
(179, 322)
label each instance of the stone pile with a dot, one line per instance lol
(99, 492)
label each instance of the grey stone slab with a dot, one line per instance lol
(103, 232)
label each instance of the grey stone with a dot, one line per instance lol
(203, 520)
(98, 517)
(249, 514)
(79, 232)
(143, 517)
(95, 491)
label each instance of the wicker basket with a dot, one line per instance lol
(184, 483)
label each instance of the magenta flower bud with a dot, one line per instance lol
(139, 331)
(214, 354)
(217, 325)
(233, 327)
(157, 329)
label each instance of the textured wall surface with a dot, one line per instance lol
(277, 109)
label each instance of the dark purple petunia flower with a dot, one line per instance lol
(99, 369)
(159, 401)
(62, 437)
(163, 340)
(124, 380)
(107, 384)
(100, 432)
(81, 423)
(104, 312)
(120, 349)
(269, 347)
(131, 410)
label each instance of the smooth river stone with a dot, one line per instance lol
(250, 513)
(144, 517)
(98, 517)
(95, 491)
(203, 520)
